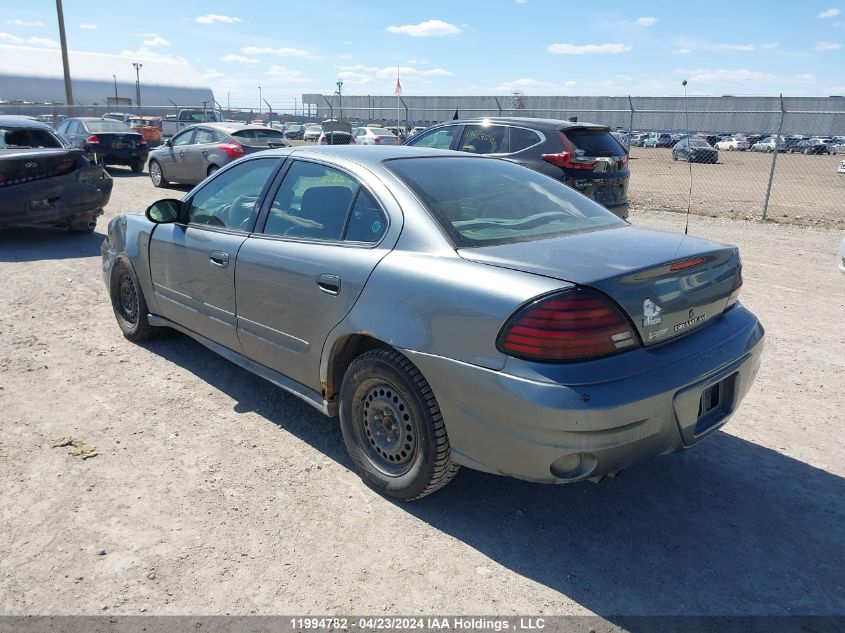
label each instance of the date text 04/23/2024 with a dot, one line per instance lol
(419, 623)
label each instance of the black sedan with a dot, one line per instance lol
(809, 147)
(111, 142)
(584, 156)
(695, 150)
(44, 182)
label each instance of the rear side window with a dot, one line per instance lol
(204, 135)
(15, 137)
(485, 139)
(366, 223)
(259, 135)
(441, 138)
(522, 139)
(594, 143)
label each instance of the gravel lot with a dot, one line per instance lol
(214, 492)
(805, 190)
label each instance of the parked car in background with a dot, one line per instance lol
(695, 150)
(810, 146)
(171, 124)
(842, 246)
(733, 144)
(494, 319)
(583, 155)
(149, 127)
(312, 132)
(117, 116)
(658, 139)
(375, 136)
(200, 150)
(837, 145)
(44, 182)
(398, 132)
(335, 132)
(416, 130)
(765, 145)
(841, 170)
(294, 131)
(110, 142)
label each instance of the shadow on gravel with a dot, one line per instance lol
(124, 172)
(729, 527)
(30, 244)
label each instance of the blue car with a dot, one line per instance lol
(111, 142)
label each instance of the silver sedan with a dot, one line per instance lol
(451, 309)
(198, 151)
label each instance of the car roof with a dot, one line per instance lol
(229, 127)
(529, 122)
(11, 120)
(370, 156)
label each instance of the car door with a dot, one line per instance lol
(196, 154)
(173, 158)
(300, 273)
(192, 262)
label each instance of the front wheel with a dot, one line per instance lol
(392, 426)
(130, 307)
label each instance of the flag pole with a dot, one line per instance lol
(398, 97)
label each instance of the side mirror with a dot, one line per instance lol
(164, 211)
(168, 142)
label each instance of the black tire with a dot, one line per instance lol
(137, 167)
(392, 427)
(157, 175)
(83, 224)
(129, 305)
(211, 170)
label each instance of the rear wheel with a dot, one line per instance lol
(212, 169)
(157, 175)
(137, 167)
(130, 307)
(392, 426)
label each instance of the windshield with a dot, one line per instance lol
(380, 131)
(694, 142)
(482, 201)
(16, 137)
(106, 126)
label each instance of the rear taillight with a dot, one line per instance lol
(233, 150)
(734, 296)
(568, 159)
(323, 140)
(92, 140)
(143, 141)
(352, 140)
(577, 324)
(378, 140)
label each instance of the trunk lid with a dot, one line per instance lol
(18, 166)
(668, 284)
(119, 141)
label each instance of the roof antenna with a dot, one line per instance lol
(689, 162)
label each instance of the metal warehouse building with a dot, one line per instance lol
(802, 115)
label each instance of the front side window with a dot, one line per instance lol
(485, 202)
(485, 139)
(313, 202)
(183, 138)
(228, 200)
(441, 138)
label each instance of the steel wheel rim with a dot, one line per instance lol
(128, 300)
(387, 428)
(155, 173)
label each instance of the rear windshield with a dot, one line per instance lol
(483, 202)
(106, 126)
(380, 131)
(16, 137)
(594, 143)
(259, 135)
(694, 142)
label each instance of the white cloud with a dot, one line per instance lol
(211, 18)
(344, 56)
(88, 26)
(239, 59)
(278, 52)
(156, 41)
(743, 76)
(828, 13)
(24, 23)
(526, 83)
(41, 42)
(582, 49)
(769, 45)
(211, 73)
(646, 21)
(827, 46)
(283, 73)
(360, 74)
(735, 47)
(682, 51)
(430, 28)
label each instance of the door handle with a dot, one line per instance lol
(330, 284)
(219, 258)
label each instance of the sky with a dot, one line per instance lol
(489, 47)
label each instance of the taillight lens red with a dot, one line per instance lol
(233, 150)
(352, 140)
(734, 296)
(568, 159)
(577, 324)
(378, 140)
(92, 140)
(323, 140)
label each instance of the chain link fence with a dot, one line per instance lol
(798, 178)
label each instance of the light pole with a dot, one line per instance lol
(65, 64)
(259, 101)
(138, 68)
(228, 104)
(340, 97)
(115, 88)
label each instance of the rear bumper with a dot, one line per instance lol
(529, 427)
(45, 202)
(111, 156)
